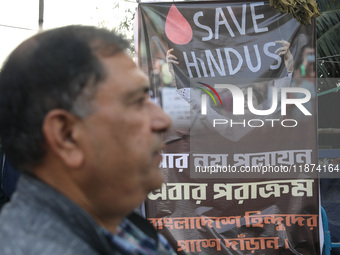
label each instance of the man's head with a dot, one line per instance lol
(50, 70)
(74, 110)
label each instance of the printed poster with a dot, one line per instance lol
(240, 162)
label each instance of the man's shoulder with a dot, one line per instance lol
(30, 245)
(24, 230)
(35, 234)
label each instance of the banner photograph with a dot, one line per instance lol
(240, 161)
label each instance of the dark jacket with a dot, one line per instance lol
(40, 220)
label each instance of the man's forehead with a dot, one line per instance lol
(124, 76)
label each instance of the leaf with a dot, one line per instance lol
(328, 38)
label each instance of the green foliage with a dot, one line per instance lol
(302, 10)
(326, 5)
(126, 25)
(126, 28)
(125, 15)
(328, 46)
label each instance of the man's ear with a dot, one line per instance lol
(60, 129)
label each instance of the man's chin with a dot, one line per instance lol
(155, 181)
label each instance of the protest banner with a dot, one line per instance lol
(240, 161)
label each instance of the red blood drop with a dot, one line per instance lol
(177, 28)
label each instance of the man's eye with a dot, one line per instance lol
(142, 100)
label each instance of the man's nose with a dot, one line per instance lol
(160, 120)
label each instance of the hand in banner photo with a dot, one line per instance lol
(304, 77)
(287, 55)
(305, 68)
(170, 60)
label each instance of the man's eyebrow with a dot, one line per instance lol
(142, 90)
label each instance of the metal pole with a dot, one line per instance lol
(41, 15)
